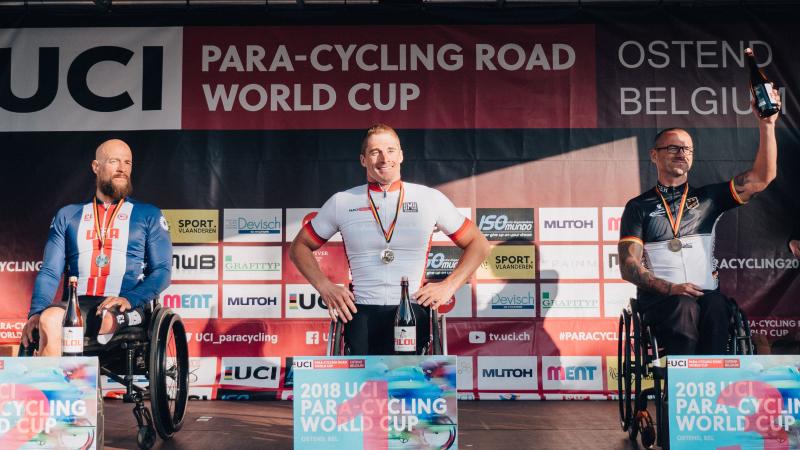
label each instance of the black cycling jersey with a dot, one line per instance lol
(646, 221)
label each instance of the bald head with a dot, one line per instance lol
(112, 146)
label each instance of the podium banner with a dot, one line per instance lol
(375, 402)
(48, 403)
(734, 402)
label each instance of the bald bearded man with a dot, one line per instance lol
(119, 249)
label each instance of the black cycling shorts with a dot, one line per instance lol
(371, 332)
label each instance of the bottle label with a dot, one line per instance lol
(405, 339)
(72, 340)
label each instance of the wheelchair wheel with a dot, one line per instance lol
(169, 372)
(625, 374)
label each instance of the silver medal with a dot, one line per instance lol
(674, 245)
(101, 260)
(387, 255)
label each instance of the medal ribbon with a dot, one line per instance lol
(387, 234)
(102, 232)
(675, 224)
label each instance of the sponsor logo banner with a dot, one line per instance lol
(195, 262)
(262, 372)
(776, 327)
(577, 337)
(757, 263)
(438, 236)
(570, 300)
(191, 301)
(296, 218)
(192, 226)
(580, 373)
(342, 77)
(507, 372)
(568, 224)
(616, 298)
(331, 258)
(441, 261)
(251, 301)
(611, 263)
(91, 79)
(490, 337)
(202, 371)
(249, 337)
(251, 263)
(302, 300)
(201, 393)
(252, 225)
(565, 262)
(612, 219)
(20, 266)
(509, 262)
(506, 300)
(463, 306)
(612, 376)
(734, 402)
(11, 331)
(506, 224)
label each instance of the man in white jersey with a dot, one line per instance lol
(386, 226)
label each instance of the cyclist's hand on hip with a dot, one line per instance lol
(434, 294)
(340, 301)
(689, 289)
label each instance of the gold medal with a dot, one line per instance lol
(675, 245)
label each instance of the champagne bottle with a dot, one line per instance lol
(761, 87)
(72, 332)
(405, 324)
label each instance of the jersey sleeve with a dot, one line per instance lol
(325, 224)
(448, 218)
(46, 285)
(632, 224)
(158, 262)
(724, 196)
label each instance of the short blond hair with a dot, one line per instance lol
(377, 128)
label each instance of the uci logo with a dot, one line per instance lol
(677, 363)
(493, 222)
(78, 80)
(302, 364)
(301, 301)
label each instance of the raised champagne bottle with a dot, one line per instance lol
(72, 333)
(405, 324)
(761, 87)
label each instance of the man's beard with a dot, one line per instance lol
(107, 187)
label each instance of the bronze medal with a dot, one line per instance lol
(387, 254)
(675, 245)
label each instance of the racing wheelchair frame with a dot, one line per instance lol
(157, 349)
(639, 357)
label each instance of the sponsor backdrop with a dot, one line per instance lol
(538, 131)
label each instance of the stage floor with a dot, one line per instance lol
(484, 425)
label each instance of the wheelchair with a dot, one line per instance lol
(157, 349)
(437, 345)
(639, 358)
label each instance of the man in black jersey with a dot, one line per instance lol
(667, 241)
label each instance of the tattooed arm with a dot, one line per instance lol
(630, 254)
(765, 167)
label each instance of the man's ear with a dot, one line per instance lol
(653, 155)
(363, 160)
(95, 166)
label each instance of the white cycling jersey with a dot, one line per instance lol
(421, 211)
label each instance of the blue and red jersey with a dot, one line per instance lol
(130, 257)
